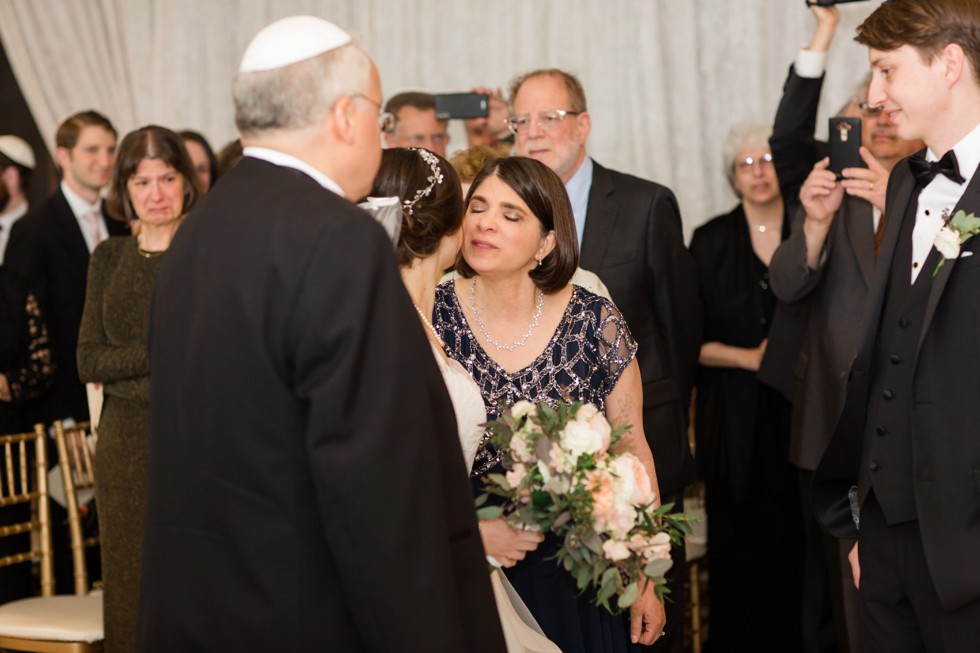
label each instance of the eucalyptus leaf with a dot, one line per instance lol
(628, 597)
(657, 567)
(489, 512)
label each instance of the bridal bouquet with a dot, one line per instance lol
(563, 478)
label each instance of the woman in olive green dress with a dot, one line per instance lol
(153, 187)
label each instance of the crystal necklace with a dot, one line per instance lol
(517, 344)
(426, 322)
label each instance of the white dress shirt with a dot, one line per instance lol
(938, 198)
(578, 188)
(94, 229)
(278, 158)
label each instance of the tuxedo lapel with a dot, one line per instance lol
(600, 219)
(70, 234)
(896, 215)
(969, 202)
(860, 229)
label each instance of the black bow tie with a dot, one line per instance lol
(926, 171)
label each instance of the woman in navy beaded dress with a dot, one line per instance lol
(523, 332)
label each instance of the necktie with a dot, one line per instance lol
(94, 217)
(926, 171)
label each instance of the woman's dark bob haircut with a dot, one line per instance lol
(541, 189)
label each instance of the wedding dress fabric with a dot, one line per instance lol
(521, 631)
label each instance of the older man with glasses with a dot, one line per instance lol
(630, 234)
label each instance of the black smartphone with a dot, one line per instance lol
(828, 3)
(462, 105)
(845, 142)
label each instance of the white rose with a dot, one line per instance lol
(518, 448)
(614, 550)
(948, 243)
(580, 438)
(521, 408)
(586, 412)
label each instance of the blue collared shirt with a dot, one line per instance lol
(578, 188)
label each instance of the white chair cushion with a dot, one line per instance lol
(54, 618)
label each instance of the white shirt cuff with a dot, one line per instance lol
(810, 64)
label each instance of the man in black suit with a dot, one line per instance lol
(49, 248)
(902, 470)
(630, 234)
(822, 274)
(307, 489)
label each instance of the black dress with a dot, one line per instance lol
(582, 362)
(755, 536)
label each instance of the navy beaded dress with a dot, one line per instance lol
(582, 362)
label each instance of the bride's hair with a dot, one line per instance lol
(431, 197)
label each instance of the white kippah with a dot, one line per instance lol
(17, 150)
(290, 40)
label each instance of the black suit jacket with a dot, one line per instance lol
(634, 241)
(48, 251)
(945, 424)
(815, 335)
(307, 489)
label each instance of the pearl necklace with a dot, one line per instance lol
(426, 322)
(517, 344)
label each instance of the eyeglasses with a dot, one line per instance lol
(386, 120)
(421, 140)
(871, 110)
(547, 120)
(748, 162)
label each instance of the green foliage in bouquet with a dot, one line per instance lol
(564, 479)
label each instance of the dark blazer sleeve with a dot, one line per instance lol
(792, 279)
(675, 297)
(794, 147)
(23, 257)
(100, 361)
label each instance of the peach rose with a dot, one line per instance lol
(615, 550)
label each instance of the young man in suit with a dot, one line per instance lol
(630, 234)
(902, 470)
(822, 274)
(50, 248)
(305, 473)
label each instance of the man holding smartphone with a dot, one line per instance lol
(416, 124)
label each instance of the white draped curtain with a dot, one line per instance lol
(665, 79)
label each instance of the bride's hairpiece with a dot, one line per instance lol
(435, 178)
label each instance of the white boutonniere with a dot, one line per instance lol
(955, 232)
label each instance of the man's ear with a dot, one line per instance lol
(341, 119)
(62, 157)
(953, 60)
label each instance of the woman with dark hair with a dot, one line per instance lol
(153, 185)
(423, 191)
(202, 156)
(524, 332)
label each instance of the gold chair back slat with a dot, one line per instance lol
(75, 447)
(28, 486)
(9, 460)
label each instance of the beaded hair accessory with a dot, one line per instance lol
(435, 178)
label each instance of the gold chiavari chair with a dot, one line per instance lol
(45, 624)
(76, 451)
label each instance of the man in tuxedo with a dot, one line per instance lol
(50, 247)
(416, 124)
(822, 274)
(630, 234)
(306, 485)
(902, 470)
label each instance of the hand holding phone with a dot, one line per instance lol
(845, 145)
(462, 105)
